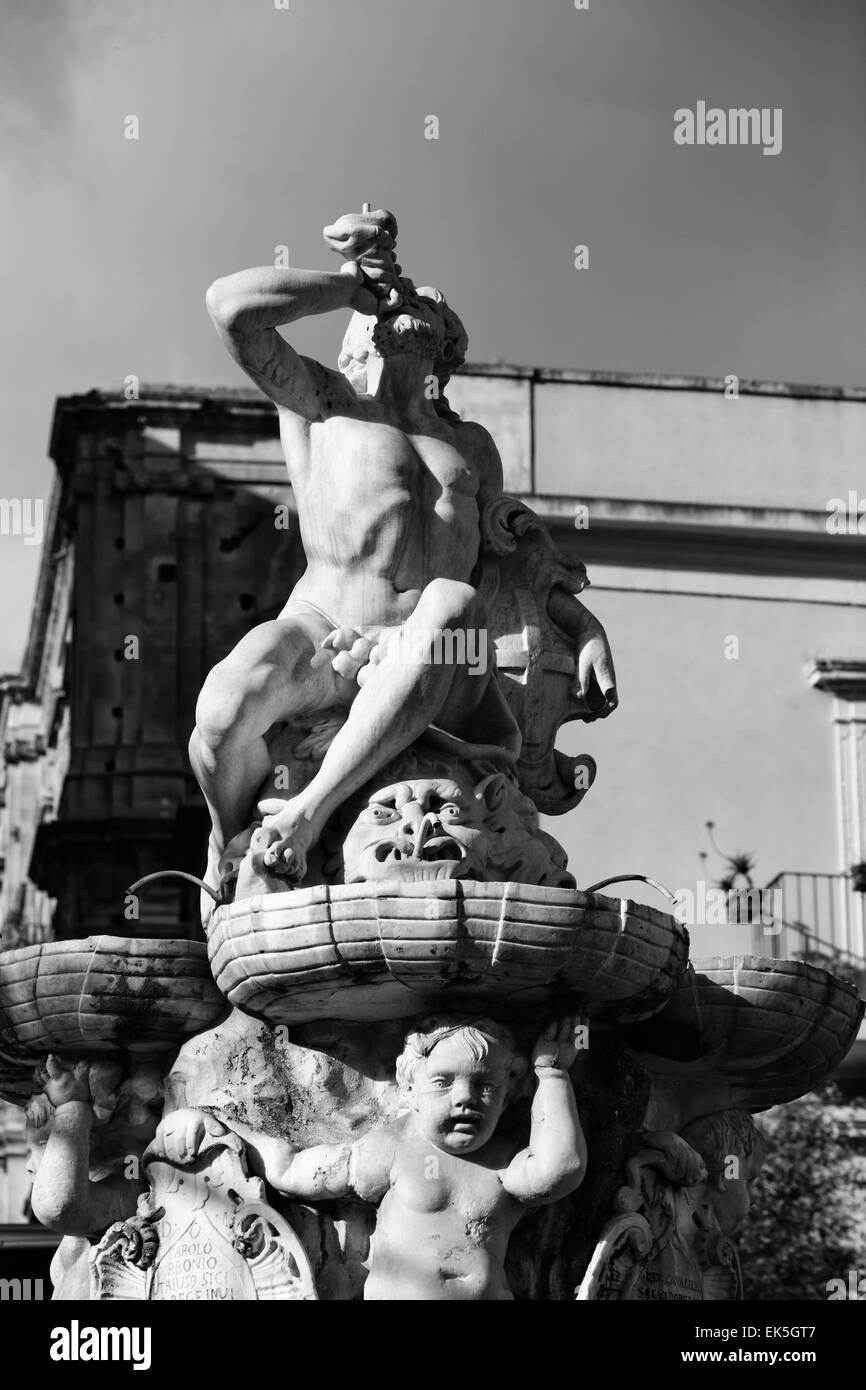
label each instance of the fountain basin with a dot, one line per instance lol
(104, 993)
(760, 1031)
(393, 950)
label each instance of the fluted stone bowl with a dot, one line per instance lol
(393, 950)
(764, 1031)
(104, 993)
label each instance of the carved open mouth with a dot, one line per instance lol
(439, 857)
(438, 849)
(465, 1124)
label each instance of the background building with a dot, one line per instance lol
(727, 555)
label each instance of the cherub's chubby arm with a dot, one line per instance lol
(63, 1197)
(362, 1169)
(554, 1164)
(324, 1171)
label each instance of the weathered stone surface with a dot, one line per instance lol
(210, 1236)
(260, 1096)
(391, 949)
(104, 993)
(684, 1197)
(449, 1182)
(745, 1032)
(576, 1121)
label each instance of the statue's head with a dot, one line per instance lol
(423, 326)
(733, 1149)
(457, 1075)
(424, 828)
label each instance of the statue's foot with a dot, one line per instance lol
(291, 836)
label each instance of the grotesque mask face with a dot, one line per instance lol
(426, 829)
(457, 1100)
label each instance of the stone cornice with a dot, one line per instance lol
(844, 679)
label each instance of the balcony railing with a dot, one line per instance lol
(821, 919)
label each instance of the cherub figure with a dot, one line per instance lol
(450, 1184)
(87, 1131)
(733, 1150)
(710, 1167)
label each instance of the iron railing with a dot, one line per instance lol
(820, 918)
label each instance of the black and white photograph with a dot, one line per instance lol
(433, 674)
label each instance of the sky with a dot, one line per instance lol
(258, 125)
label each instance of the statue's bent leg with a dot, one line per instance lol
(408, 690)
(265, 679)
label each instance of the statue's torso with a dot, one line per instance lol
(384, 509)
(455, 1217)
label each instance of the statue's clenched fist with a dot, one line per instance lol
(358, 234)
(366, 241)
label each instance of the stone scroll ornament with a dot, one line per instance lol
(204, 1231)
(684, 1198)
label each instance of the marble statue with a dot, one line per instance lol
(413, 1058)
(440, 810)
(445, 827)
(449, 1188)
(87, 1132)
(686, 1196)
(397, 499)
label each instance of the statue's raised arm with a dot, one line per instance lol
(249, 307)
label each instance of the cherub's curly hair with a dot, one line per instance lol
(478, 1035)
(724, 1135)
